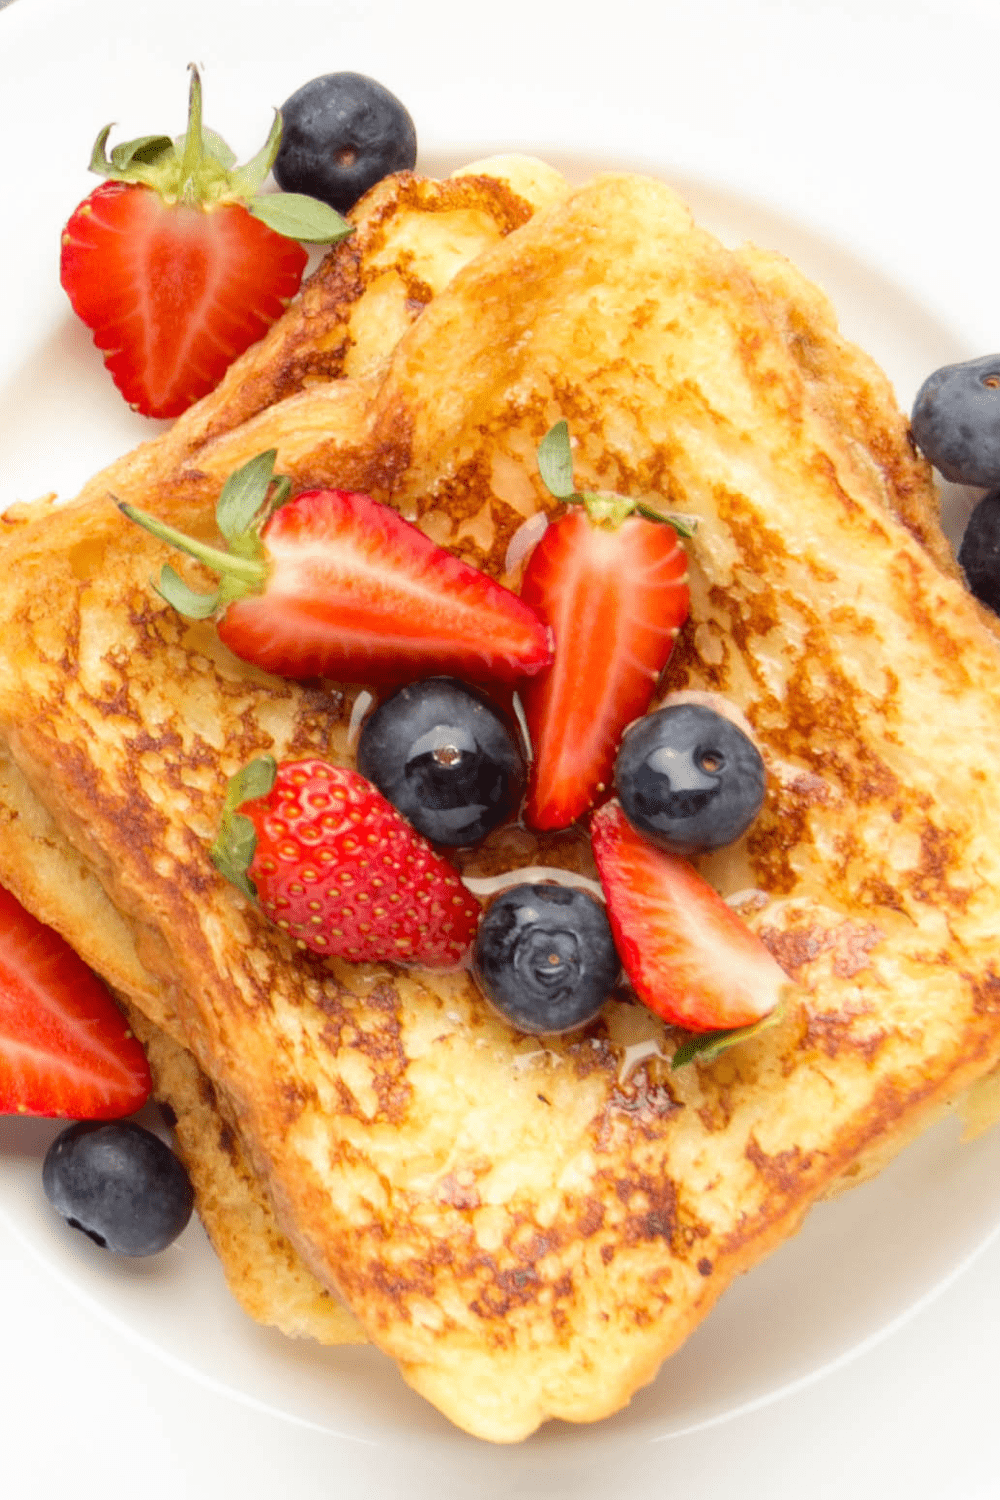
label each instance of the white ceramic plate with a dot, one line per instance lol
(772, 119)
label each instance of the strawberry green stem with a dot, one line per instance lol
(246, 570)
(604, 508)
(191, 160)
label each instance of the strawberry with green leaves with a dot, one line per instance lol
(335, 584)
(177, 263)
(610, 577)
(334, 864)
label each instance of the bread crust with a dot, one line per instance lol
(527, 1233)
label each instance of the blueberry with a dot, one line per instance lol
(979, 554)
(545, 957)
(342, 133)
(442, 754)
(119, 1184)
(956, 421)
(689, 779)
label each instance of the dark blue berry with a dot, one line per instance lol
(443, 755)
(119, 1184)
(341, 134)
(979, 553)
(956, 421)
(689, 779)
(545, 957)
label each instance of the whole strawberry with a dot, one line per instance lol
(335, 865)
(177, 265)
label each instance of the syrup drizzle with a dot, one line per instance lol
(491, 885)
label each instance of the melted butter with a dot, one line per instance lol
(491, 885)
(638, 1052)
(509, 481)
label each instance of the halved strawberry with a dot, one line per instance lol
(176, 264)
(690, 958)
(334, 584)
(65, 1048)
(612, 583)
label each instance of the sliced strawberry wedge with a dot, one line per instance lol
(689, 957)
(610, 577)
(173, 293)
(356, 592)
(615, 596)
(335, 584)
(178, 262)
(65, 1049)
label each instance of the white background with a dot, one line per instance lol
(871, 125)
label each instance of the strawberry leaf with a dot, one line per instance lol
(99, 161)
(707, 1045)
(244, 496)
(249, 179)
(185, 600)
(233, 851)
(212, 144)
(299, 217)
(604, 507)
(145, 149)
(254, 780)
(234, 848)
(555, 462)
(130, 161)
(685, 526)
(241, 570)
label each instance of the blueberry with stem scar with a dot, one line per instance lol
(544, 956)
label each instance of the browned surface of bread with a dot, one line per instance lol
(262, 1269)
(525, 1233)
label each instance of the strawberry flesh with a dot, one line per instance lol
(173, 293)
(357, 593)
(65, 1048)
(689, 957)
(343, 872)
(615, 598)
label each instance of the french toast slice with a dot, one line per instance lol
(529, 1251)
(412, 236)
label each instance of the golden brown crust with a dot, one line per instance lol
(411, 234)
(526, 1231)
(853, 395)
(263, 1272)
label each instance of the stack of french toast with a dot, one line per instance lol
(528, 1230)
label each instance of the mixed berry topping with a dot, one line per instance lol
(343, 860)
